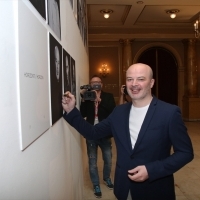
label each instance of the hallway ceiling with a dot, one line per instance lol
(146, 21)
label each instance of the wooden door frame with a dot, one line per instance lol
(180, 66)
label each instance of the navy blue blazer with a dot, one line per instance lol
(163, 146)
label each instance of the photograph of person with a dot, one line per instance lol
(66, 71)
(73, 77)
(55, 78)
(40, 7)
(53, 9)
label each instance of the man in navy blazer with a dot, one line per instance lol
(151, 139)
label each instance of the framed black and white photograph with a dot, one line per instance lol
(84, 24)
(86, 36)
(73, 77)
(74, 8)
(40, 7)
(83, 14)
(55, 78)
(72, 3)
(53, 10)
(82, 20)
(79, 13)
(66, 71)
(34, 94)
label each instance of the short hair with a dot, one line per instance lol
(95, 76)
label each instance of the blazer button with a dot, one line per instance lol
(132, 156)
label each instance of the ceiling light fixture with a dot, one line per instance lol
(196, 28)
(172, 12)
(106, 13)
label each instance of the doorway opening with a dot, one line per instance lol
(165, 70)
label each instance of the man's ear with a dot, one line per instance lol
(152, 82)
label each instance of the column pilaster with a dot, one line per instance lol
(191, 101)
(127, 59)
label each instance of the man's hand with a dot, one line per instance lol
(83, 91)
(68, 102)
(138, 174)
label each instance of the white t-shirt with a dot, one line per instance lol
(136, 119)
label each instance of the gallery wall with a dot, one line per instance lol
(108, 54)
(48, 165)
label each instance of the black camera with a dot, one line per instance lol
(89, 94)
(125, 90)
(86, 87)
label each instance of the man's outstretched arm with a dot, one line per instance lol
(74, 118)
(68, 102)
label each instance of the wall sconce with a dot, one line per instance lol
(104, 70)
(172, 12)
(106, 13)
(196, 28)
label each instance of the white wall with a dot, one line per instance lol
(51, 167)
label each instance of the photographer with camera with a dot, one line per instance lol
(124, 97)
(95, 106)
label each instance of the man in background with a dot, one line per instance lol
(124, 97)
(94, 111)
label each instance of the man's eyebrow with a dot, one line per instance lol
(137, 77)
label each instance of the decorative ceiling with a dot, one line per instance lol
(141, 20)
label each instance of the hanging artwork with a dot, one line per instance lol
(53, 10)
(33, 77)
(66, 71)
(40, 7)
(82, 20)
(55, 78)
(72, 3)
(73, 77)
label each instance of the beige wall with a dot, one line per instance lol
(51, 167)
(108, 54)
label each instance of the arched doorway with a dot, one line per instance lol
(165, 69)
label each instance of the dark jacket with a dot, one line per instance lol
(162, 129)
(105, 107)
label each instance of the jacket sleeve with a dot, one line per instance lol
(92, 132)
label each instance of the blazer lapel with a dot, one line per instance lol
(146, 122)
(128, 136)
(124, 133)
